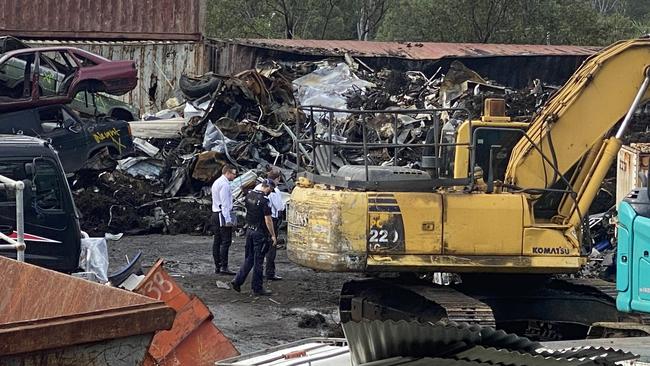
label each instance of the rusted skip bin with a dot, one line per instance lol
(193, 339)
(49, 318)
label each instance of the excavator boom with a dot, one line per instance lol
(580, 115)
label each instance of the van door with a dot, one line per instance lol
(66, 134)
(51, 232)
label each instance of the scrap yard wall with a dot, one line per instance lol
(158, 63)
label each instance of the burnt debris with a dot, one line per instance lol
(255, 120)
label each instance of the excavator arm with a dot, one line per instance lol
(572, 129)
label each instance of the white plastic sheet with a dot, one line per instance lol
(141, 166)
(94, 257)
(326, 85)
(213, 139)
(192, 111)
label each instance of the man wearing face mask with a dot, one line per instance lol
(259, 227)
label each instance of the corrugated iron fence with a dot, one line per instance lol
(227, 58)
(159, 64)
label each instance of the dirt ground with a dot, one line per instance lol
(252, 323)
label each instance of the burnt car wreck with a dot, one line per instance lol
(35, 85)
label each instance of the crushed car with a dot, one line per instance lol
(33, 77)
(99, 105)
(87, 104)
(94, 143)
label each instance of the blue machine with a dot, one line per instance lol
(633, 253)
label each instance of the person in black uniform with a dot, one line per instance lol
(259, 228)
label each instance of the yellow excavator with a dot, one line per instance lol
(502, 205)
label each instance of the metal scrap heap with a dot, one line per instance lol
(255, 120)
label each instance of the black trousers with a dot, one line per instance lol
(221, 242)
(253, 259)
(270, 254)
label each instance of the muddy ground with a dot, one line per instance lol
(252, 323)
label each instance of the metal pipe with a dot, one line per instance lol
(10, 182)
(19, 243)
(295, 138)
(13, 244)
(329, 148)
(395, 139)
(634, 106)
(353, 145)
(437, 140)
(298, 142)
(365, 148)
(20, 221)
(318, 108)
(313, 141)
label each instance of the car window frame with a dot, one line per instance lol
(42, 54)
(60, 184)
(34, 66)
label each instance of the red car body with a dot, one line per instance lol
(78, 70)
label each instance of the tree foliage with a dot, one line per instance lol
(587, 22)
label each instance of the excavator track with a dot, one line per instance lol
(605, 288)
(459, 307)
(554, 309)
(379, 299)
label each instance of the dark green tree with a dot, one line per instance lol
(586, 22)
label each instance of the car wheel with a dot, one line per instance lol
(196, 88)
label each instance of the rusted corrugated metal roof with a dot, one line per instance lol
(103, 19)
(414, 50)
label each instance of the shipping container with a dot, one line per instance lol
(103, 19)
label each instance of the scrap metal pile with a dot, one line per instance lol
(254, 121)
(354, 86)
(241, 120)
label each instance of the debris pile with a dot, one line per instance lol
(334, 85)
(254, 120)
(602, 259)
(244, 120)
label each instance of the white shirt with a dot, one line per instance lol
(222, 197)
(276, 202)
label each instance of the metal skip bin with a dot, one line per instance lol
(50, 318)
(193, 339)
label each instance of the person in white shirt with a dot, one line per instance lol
(222, 219)
(277, 207)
